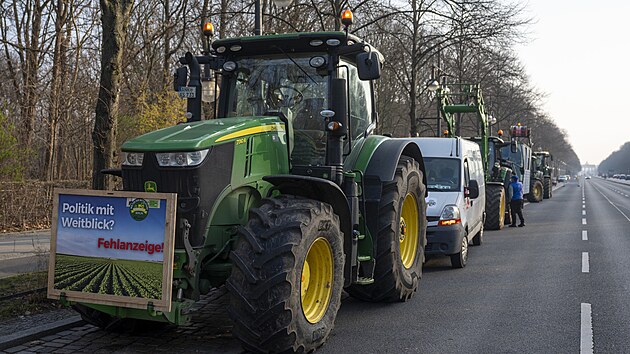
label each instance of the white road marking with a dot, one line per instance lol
(583, 221)
(586, 329)
(585, 265)
(584, 235)
(613, 204)
(583, 212)
(583, 206)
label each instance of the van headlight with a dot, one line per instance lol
(181, 159)
(132, 158)
(450, 216)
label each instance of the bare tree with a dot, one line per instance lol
(115, 21)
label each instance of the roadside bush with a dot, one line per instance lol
(28, 205)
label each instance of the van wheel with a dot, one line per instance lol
(460, 259)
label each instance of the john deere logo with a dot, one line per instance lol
(139, 209)
(150, 186)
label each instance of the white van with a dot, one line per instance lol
(457, 197)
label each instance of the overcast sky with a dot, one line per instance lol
(579, 54)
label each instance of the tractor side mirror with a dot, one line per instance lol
(368, 66)
(180, 78)
(513, 146)
(473, 189)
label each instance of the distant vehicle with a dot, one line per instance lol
(456, 200)
(587, 177)
(563, 178)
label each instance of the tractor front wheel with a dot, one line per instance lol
(536, 193)
(401, 238)
(495, 207)
(287, 276)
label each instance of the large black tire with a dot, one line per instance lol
(535, 195)
(393, 280)
(495, 207)
(271, 280)
(547, 188)
(460, 259)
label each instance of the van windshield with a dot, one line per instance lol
(443, 174)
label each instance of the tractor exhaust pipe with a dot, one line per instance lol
(337, 128)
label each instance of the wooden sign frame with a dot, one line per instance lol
(163, 304)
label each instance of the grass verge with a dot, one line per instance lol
(28, 304)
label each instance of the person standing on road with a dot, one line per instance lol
(516, 203)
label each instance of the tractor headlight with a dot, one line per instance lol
(181, 159)
(450, 216)
(132, 158)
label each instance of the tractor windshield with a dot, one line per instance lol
(513, 157)
(263, 84)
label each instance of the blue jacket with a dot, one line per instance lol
(517, 190)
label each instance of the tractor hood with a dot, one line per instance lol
(202, 134)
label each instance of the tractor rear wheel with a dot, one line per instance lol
(535, 195)
(401, 237)
(287, 276)
(495, 207)
(547, 188)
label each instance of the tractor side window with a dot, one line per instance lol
(360, 101)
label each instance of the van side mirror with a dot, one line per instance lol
(368, 66)
(473, 189)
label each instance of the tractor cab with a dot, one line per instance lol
(319, 84)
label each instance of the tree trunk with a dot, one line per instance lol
(58, 70)
(115, 21)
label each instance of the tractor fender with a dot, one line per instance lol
(325, 191)
(385, 159)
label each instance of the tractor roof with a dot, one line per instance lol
(288, 42)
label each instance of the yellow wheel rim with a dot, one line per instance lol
(409, 231)
(538, 191)
(502, 210)
(316, 280)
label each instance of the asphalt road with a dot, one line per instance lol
(23, 252)
(561, 284)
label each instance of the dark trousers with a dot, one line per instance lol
(516, 206)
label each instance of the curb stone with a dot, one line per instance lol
(16, 339)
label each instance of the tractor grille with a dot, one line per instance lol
(197, 188)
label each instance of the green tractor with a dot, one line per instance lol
(544, 164)
(460, 98)
(520, 154)
(286, 196)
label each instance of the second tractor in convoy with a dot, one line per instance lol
(467, 98)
